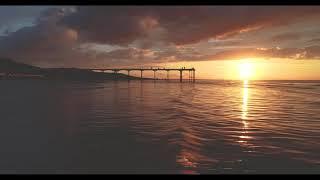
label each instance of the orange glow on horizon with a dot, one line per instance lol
(260, 69)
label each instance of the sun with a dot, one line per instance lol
(245, 70)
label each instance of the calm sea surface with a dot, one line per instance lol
(162, 127)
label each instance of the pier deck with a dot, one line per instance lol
(181, 70)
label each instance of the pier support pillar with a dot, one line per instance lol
(194, 76)
(141, 74)
(115, 74)
(128, 74)
(180, 75)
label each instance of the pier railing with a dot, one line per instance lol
(191, 71)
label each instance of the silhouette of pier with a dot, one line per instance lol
(191, 77)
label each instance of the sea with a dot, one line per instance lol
(159, 127)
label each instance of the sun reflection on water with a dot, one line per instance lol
(245, 95)
(244, 113)
(187, 158)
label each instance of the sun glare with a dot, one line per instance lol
(245, 70)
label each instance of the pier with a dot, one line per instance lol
(191, 71)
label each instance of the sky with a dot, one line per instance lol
(278, 42)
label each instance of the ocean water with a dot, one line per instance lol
(207, 127)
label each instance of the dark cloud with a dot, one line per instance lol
(315, 40)
(227, 42)
(111, 25)
(10, 14)
(145, 34)
(182, 25)
(310, 52)
(12, 18)
(48, 44)
(176, 54)
(286, 37)
(42, 42)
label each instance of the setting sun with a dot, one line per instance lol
(245, 70)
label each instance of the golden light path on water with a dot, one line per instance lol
(189, 158)
(244, 112)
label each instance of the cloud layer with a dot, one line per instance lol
(154, 34)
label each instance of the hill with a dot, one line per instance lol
(10, 69)
(10, 66)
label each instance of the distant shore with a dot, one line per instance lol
(10, 69)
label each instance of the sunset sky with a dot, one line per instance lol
(274, 42)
